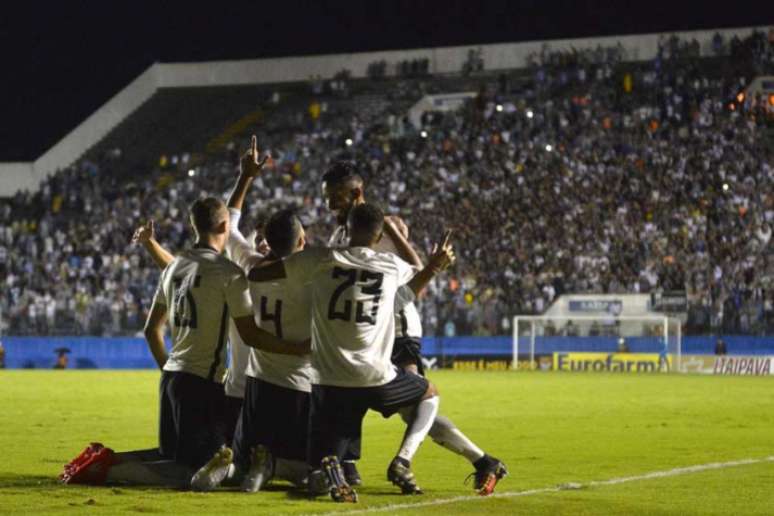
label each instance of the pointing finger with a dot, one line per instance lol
(446, 237)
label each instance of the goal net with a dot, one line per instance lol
(577, 342)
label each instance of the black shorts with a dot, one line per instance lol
(274, 416)
(190, 418)
(337, 413)
(408, 350)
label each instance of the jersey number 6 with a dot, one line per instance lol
(185, 305)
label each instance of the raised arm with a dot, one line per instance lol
(262, 340)
(397, 230)
(440, 260)
(146, 237)
(249, 168)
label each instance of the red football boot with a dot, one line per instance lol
(91, 449)
(93, 469)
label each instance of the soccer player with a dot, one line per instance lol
(197, 293)
(275, 416)
(343, 189)
(234, 383)
(353, 295)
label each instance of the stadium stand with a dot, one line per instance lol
(584, 172)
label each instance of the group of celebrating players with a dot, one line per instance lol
(317, 336)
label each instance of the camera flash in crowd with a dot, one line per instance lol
(191, 173)
(725, 187)
(530, 114)
(499, 107)
(549, 147)
(423, 134)
(348, 141)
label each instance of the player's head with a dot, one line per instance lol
(209, 218)
(284, 233)
(365, 224)
(342, 188)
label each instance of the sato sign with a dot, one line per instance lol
(613, 306)
(612, 362)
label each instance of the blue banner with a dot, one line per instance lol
(133, 353)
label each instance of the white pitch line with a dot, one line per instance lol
(554, 489)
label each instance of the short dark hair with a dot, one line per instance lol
(282, 231)
(366, 220)
(207, 213)
(341, 171)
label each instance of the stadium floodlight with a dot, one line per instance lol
(530, 114)
(536, 335)
(348, 141)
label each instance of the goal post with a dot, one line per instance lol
(541, 335)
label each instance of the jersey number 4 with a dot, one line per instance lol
(276, 316)
(185, 306)
(374, 288)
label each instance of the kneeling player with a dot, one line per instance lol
(343, 189)
(271, 434)
(197, 294)
(353, 294)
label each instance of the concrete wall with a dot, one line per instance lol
(16, 176)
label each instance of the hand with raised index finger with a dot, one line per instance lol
(250, 163)
(442, 257)
(144, 233)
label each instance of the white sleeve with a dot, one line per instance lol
(159, 297)
(238, 297)
(235, 216)
(237, 247)
(405, 271)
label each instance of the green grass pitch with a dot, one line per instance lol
(550, 429)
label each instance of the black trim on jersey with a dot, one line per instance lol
(201, 245)
(403, 323)
(221, 343)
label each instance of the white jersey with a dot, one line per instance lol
(201, 290)
(407, 320)
(353, 297)
(283, 309)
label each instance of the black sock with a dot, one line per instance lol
(482, 462)
(402, 461)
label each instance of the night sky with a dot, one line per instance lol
(62, 60)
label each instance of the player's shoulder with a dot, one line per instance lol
(373, 257)
(225, 266)
(214, 264)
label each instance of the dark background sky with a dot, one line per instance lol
(61, 60)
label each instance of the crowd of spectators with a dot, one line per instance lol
(599, 176)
